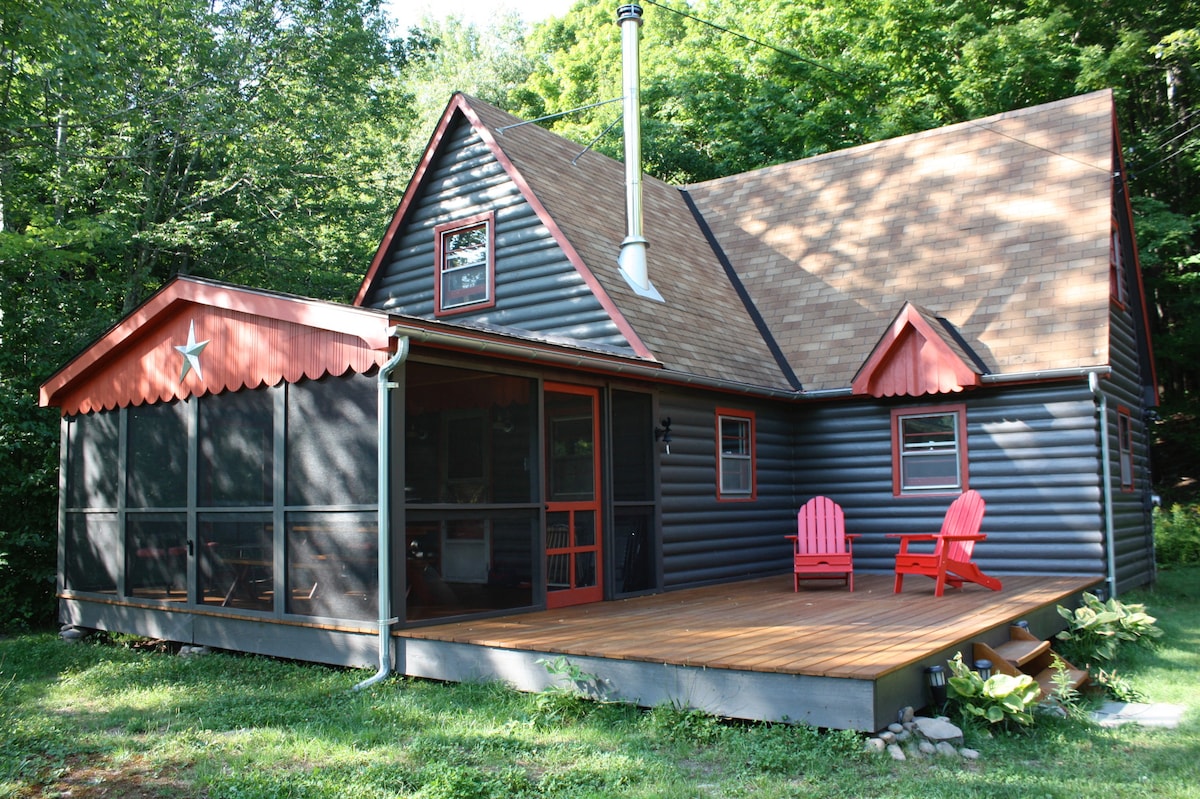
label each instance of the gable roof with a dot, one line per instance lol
(236, 337)
(702, 328)
(1000, 226)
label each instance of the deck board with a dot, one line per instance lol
(764, 626)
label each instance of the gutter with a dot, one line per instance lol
(384, 521)
(1106, 476)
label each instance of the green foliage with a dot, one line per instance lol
(569, 701)
(1117, 686)
(1097, 629)
(1177, 535)
(683, 725)
(1000, 699)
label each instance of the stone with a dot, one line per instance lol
(903, 736)
(937, 730)
(946, 749)
(926, 748)
(896, 752)
(969, 754)
(896, 728)
(907, 715)
(72, 634)
(875, 745)
(888, 737)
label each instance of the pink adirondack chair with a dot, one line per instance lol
(823, 548)
(950, 562)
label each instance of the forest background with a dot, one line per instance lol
(266, 142)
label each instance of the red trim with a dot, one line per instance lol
(255, 339)
(911, 359)
(746, 416)
(960, 431)
(1119, 157)
(487, 218)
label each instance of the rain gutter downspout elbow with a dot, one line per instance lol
(1106, 477)
(383, 548)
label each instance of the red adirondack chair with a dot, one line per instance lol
(950, 562)
(823, 548)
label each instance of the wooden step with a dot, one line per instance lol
(1045, 680)
(1019, 652)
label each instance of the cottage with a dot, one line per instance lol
(508, 420)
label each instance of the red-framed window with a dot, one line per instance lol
(929, 450)
(736, 468)
(1125, 447)
(1116, 268)
(464, 252)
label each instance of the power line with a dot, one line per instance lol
(782, 51)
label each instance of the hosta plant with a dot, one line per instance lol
(999, 699)
(1097, 629)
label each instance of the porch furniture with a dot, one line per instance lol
(950, 562)
(822, 549)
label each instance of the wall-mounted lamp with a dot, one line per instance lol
(663, 433)
(983, 668)
(935, 676)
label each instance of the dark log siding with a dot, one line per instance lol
(537, 288)
(706, 540)
(1033, 455)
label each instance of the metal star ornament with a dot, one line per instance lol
(191, 353)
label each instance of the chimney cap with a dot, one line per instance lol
(629, 11)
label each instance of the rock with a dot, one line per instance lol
(926, 748)
(896, 752)
(938, 730)
(969, 754)
(72, 634)
(903, 736)
(875, 745)
(888, 737)
(907, 715)
(946, 749)
(896, 728)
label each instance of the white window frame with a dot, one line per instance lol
(736, 464)
(908, 451)
(444, 301)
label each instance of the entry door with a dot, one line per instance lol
(573, 555)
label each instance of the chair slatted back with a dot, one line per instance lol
(963, 517)
(820, 528)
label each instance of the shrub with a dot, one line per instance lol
(1096, 629)
(999, 699)
(1177, 535)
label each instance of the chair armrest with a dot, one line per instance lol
(964, 537)
(915, 536)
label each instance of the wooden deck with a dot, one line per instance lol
(754, 649)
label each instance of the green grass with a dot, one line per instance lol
(107, 719)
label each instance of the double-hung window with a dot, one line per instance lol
(735, 455)
(466, 271)
(929, 447)
(1125, 447)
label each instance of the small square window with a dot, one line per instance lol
(929, 450)
(465, 265)
(735, 455)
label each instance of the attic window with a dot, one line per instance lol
(466, 266)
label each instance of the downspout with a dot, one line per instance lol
(1106, 476)
(384, 520)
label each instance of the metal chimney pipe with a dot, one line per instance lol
(632, 258)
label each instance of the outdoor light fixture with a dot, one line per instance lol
(984, 668)
(663, 433)
(1024, 625)
(936, 677)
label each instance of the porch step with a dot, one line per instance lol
(1024, 653)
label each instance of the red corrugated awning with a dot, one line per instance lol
(235, 337)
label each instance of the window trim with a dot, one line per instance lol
(959, 411)
(1117, 288)
(441, 232)
(1125, 449)
(747, 417)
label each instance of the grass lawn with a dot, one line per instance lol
(121, 720)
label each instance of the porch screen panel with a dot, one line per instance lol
(633, 448)
(236, 449)
(93, 547)
(235, 561)
(332, 428)
(157, 471)
(156, 556)
(468, 562)
(332, 565)
(92, 477)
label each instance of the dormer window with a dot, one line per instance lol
(466, 266)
